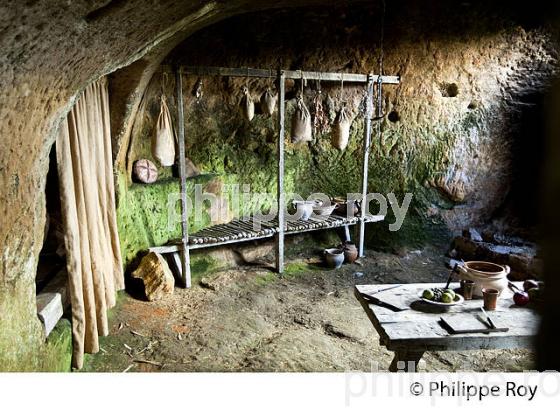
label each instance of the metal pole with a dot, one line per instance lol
(185, 257)
(367, 143)
(280, 178)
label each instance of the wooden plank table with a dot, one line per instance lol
(409, 333)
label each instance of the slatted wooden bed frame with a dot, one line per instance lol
(242, 230)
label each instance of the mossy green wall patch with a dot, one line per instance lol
(22, 346)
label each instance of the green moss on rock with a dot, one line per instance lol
(22, 343)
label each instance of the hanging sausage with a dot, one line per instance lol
(163, 142)
(320, 120)
(301, 123)
(247, 104)
(268, 102)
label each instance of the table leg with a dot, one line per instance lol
(406, 360)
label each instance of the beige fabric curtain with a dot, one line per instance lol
(85, 169)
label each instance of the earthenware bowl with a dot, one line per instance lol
(304, 209)
(324, 210)
(334, 257)
(485, 275)
(345, 205)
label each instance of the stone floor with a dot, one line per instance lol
(247, 319)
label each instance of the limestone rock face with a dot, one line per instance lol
(49, 52)
(156, 275)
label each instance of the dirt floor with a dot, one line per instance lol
(248, 319)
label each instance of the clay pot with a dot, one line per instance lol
(490, 297)
(350, 252)
(324, 210)
(344, 205)
(334, 257)
(485, 275)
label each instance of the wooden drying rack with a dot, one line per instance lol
(241, 230)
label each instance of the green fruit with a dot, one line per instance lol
(428, 294)
(447, 298)
(450, 292)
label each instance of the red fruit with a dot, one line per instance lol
(521, 298)
(530, 284)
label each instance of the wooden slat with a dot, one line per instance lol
(185, 257)
(52, 301)
(334, 221)
(280, 177)
(289, 74)
(365, 165)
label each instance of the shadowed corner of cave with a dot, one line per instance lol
(470, 129)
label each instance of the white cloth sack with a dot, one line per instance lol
(268, 102)
(247, 105)
(163, 142)
(341, 129)
(301, 123)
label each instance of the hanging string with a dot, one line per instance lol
(164, 80)
(382, 37)
(380, 113)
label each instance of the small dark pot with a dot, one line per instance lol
(334, 257)
(350, 252)
(345, 206)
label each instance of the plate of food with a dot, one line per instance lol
(441, 297)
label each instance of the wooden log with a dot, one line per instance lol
(235, 233)
(249, 229)
(214, 233)
(245, 228)
(226, 233)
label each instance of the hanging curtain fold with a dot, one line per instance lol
(83, 149)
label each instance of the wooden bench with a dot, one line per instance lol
(239, 231)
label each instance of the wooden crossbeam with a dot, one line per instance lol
(289, 74)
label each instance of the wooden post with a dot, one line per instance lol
(185, 257)
(280, 177)
(365, 164)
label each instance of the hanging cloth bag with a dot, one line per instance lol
(268, 102)
(163, 142)
(247, 105)
(301, 123)
(341, 128)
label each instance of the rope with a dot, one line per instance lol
(382, 37)
(380, 114)
(164, 80)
